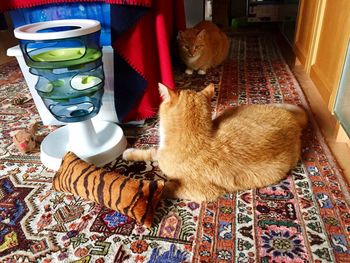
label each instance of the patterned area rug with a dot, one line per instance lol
(305, 218)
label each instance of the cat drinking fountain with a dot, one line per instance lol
(67, 58)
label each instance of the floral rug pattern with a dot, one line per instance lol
(304, 218)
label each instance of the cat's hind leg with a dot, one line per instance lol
(133, 154)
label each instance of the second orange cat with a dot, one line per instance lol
(202, 47)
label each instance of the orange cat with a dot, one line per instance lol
(250, 146)
(202, 47)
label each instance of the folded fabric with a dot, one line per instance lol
(132, 197)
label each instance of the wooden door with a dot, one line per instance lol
(306, 23)
(328, 61)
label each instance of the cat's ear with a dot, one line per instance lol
(209, 90)
(165, 92)
(201, 34)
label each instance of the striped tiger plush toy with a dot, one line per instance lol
(134, 198)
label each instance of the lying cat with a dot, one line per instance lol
(202, 47)
(246, 147)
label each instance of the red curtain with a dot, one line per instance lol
(146, 48)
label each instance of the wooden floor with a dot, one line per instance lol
(7, 40)
(325, 120)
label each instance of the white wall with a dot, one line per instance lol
(194, 10)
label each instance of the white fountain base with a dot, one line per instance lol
(97, 142)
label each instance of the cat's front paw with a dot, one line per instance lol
(202, 72)
(189, 71)
(128, 153)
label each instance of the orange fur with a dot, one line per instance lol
(250, 146)
(140, 154)
(202, 47)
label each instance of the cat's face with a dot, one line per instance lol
(191, 42)
(185, 102)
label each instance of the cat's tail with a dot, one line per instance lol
(297, 111)
(133, 154)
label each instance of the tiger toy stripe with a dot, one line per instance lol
(135, 198)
